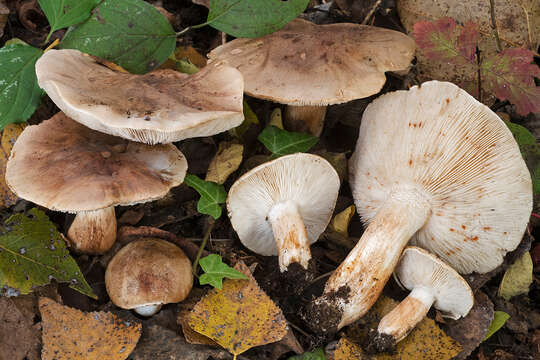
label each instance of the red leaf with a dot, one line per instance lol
(439, 40)
(510, 76)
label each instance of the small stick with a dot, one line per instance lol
(373, 9)
(203, 245)
(494, 25)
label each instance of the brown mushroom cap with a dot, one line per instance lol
(148, 272)
(159, 107)
(65, 166)
(308, 64)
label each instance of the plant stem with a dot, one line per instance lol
(478, 69)
(203, 244)
(494, 24)
(209, 21)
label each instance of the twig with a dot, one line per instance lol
(321, 277)
(370, 13)
(528, 24)
(494, 25)
(203, 245)
(535, 215)
(298, 329)
(479, 74)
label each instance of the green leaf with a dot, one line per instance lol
(317, 354)
(499, 319)
(64, 13)
(281, 142)
(530, 151)
(130, 33)
(253, 18)
(32, 253)
(19, 90)
(517, 278)
(212, 195)
(215, 270)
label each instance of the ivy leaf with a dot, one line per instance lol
(64, 13)
(499, 319)
(32, 253)
(510, 76)
(440, 40)
(215, 270)
(530, 150)
(281, 142)
(317, 354)
(19, 91)
(212, 195)
(253, 18)
(130, 33)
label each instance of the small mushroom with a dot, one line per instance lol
(431, 282)
(308, 66)
(65, 166)
(282, 206)
(434, 166)
(159, 107)
(148, 273)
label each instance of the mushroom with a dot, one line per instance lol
(435, 165)
(431, 282)
(64, 166)
(148, 273)
(282, 206)
(308, 66)
(159, 107)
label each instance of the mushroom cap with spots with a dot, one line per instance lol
(461, 156)
(418, 268)
(436, 167)
(300, 189)
(65, 166)
(159, 107)
(308, 64)
(148, 272)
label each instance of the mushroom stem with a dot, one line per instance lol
(290, 235)
(148, 310)
(356, 284)
(404, 317)
(308, 119)
(93, 232)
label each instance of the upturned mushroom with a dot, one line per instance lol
(159, 107)
(148, 273)
(65, 166)
(434, 166)
(431, 282)
(282, 206)
(308, 66)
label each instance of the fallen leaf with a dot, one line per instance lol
(499, 319)
(317, 354)
(281, 142)
(347, 350)
(212, 195)
(19, 336)
(34, 253)
(240, 316)
(337, 160)
(215, 270)
(4, 13)
(517, 278)
(276, 119)
(250, 118)
(471, 330)
(340, 222)
(184, 311)
(427, 340)
(226, 161)
(189, 53)
(72, 334)
(9, 135)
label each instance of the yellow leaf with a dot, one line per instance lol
(276, 119)
(240, 316)
(427, 341)
(341, 221)
(337, 160)
(228, 158)
(9, 135)
(70, 334)
(249, 118)
(517, 278)
(189, 53)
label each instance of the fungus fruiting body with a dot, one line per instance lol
(434, 166)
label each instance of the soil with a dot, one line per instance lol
(312, 324)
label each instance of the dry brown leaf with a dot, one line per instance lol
(427, 341)
(188, 52)
(518, 23)
(340, 222)
(9, 135)
(4, 13)
(72, 334)
(18, 335)
(226, 161)
(347, 350)
(240, 316)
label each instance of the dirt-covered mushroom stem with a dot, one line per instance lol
(93, 232)
(308, 119)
